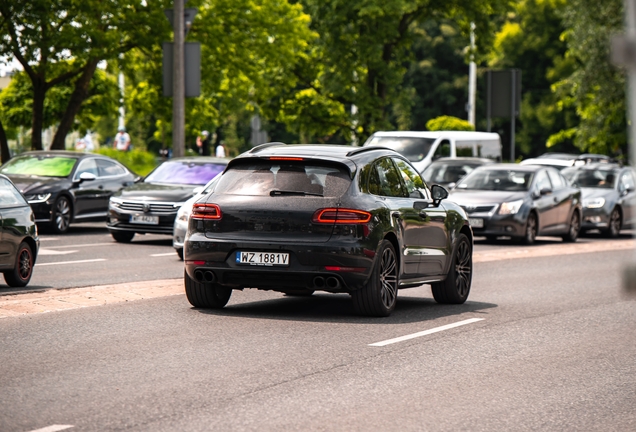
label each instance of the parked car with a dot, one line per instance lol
(300, 218)
(565, 160)
(421, 148)
(150, 206)
(180, 228)
(65, 187)
(448, 171)
(520, 201)
(608, 193)
(20, 242)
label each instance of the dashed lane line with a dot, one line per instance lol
(70, 262)
(425, 332)
(53, 428)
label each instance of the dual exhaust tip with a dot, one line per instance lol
(204, 276)
(330, 282)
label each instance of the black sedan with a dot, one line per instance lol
(608, 194)
(150, 206)
(520, 201)
(64, 187)
(300, 218)
(447, 171)
(20, 243)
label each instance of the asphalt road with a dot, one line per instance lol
(543, 343)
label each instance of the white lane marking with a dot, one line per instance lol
(53, 428)
(165, 254)
(44, 251)
(426, 332)
(71, 262)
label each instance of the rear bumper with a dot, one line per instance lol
(306, 269)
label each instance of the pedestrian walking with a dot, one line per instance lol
(122, 140)
(220, 150)
(203, 143)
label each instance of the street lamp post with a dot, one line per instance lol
(178, 83)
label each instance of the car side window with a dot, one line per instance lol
(410, 177)
(556, 179)
(87, 165)
(9, 195)
(443, 150)
(542, 182)
(108, 168)
(384, 180)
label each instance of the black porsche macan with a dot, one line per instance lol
(301, 218)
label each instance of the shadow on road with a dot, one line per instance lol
(338, 308)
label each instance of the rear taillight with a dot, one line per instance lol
(206, 212)
(341, 216)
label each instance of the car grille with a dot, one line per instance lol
(479, 209)
(160, 208)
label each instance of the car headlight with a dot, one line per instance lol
(511, 207)
(115, 202)
(593, 202)
(37, 198)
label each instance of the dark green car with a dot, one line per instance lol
(19, 241)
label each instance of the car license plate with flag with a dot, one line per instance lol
(144, 219)
(263, 258)
(476, 222)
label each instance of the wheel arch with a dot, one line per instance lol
(390, 236)
(33, 245)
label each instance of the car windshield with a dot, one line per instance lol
(587, 178)
(414, 149)
(185, 172)
(275, 178)
(503, 180)
(447, 172)
(45, 166)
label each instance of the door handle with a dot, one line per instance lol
(556, 199)
(100, 187)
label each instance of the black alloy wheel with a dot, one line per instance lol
(574, 228)
(614, 225)
(207, 296)
(122, 236)
(62, 212)
(456, 287)
(531, 230)
(379, 296)
(23, 269)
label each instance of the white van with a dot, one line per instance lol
(423, 147)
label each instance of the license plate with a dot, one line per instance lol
(263, 258)
(476, 222)
(144, 219)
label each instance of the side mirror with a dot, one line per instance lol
(452, 185)
(545, 191)
(138, 179)
(85, 176)
(439, 193)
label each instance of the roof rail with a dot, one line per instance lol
(264, 146)
(366, 149)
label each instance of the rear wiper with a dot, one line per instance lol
(277, 192)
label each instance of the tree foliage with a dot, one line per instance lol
(449, 123)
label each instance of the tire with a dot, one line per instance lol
(180, 253)
(614, 225)
(62, 213)
(23, 270)
(531, 230)
(122, 236)
(379, 296)
(207, 296)
(456, 287)
(574, 228)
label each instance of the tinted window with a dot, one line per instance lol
(47, 166)
(187, 173)
(261, 178)
(9, 195)
(627, 182)
(108, 168)
(556, 180)
(387, 177)
(89, 166)
(591, 178)
(506, 180)
(446, 172)
(414, 149)
(543, 181)
(410, 177)
(442, 150)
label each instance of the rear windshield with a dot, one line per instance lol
(41, 165)
(497, 180)
(414, 149)
(186, 173)
(278, 178)
(598, 178)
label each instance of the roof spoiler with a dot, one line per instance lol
(266, 145)
(366, 149)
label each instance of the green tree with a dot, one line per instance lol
(65, 40)
(449, 123)
(595, 88)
